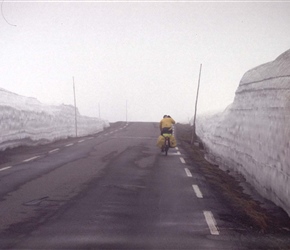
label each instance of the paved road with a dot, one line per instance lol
(112, 190)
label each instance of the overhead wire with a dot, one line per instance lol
(4, 16)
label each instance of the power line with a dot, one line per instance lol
(4, 16)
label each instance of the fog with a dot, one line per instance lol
(137, 60)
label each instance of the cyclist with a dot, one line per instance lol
(165, 125)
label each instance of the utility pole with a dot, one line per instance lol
(126, 111)
(76, 124)
(195, 110)
(99, 111)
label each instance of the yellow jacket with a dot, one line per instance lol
(166, 122)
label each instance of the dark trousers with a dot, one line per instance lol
(166, 131)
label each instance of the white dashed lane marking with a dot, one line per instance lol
(54, 150)
(197, 191)
(210, 220)
(188, 172)
(177, 153)
(68, 145)
(31, 159)
(182, 160)
(2, 169)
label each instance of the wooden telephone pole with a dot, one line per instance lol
(193, 135)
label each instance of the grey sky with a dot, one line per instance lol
(147, 53)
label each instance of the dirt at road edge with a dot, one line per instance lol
(246, 211)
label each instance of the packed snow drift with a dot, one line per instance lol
(26, 121)
(252, 135)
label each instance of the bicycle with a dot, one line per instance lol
(166, 143)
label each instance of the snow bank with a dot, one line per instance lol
(26, 121)
(252, 135)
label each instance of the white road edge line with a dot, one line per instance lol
(188, 172)
(51, 151)
(182, 160)
(31, 159)
(68, 145)
(2, 169)
(211, 222)
(197, 191)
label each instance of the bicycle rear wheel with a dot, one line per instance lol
(166, 145)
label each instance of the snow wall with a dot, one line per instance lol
(252, 136)
(26, 121)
